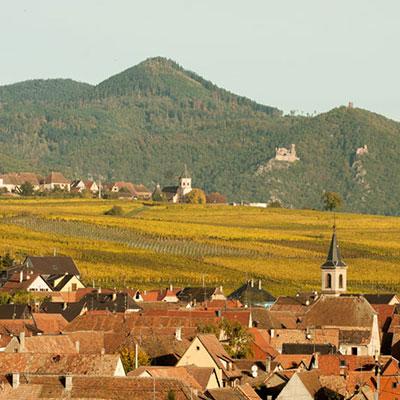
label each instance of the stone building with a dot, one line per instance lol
(334, 270)
(284, 154)
(176, 194)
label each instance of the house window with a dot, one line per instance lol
(354, 351)
(74, 287)
(340, 281)
(328, 282)
(394, 385)
(197, 347)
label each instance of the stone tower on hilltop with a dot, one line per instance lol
(185, 183)
(288, 155)
(334, 270)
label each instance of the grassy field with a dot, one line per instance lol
(154, 245)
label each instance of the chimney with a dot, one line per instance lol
(65, 305)
(114, 296)
(221, 289)
(171, 287)
(259, 284)
(68, 382)
(268, 364)
(272, 333)
(21, 275)
(15, 380)
(252, 283)
(178, 334)
(99, 290)
(77, 346)
(21, 342)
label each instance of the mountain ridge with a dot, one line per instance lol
(144, 123)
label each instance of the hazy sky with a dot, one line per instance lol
(294, 54)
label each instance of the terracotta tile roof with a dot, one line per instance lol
(264, 319)
(51, 344)
(201, 374)
(332, 364)
(141, 189)
(334, 383)
(224, 304)
(395, 323)
(385, 315)
(13, 327)
(157, 343)
(98, 388)
(215, 349)
(310, 380)
(49, 323)
(151, 295)
(49, 265)
(339, 312)
(89, 341)
(15, 284)
(126, 185)
(261, 344)
(89, 184)
(241, 315)
(56, 177)
(305, 336)
(248, 392)
(293, 361)
(59, 364)
(242, 392)
(20, 178)
(180, 373)
(295, 304)
(283, 319)
(354, 337)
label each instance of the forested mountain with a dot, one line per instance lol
(145, 123)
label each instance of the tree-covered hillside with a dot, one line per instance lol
(146, 122)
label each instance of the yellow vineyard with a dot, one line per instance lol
(181, 244)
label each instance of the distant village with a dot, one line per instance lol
(62, 339)
(28, 183)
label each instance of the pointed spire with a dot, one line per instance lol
(185, 173)
(334, 258)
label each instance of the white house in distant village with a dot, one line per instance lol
(12, 182)
(80, 185)
(56, 180)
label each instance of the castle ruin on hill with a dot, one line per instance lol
(284, 154)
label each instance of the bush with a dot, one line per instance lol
(216, 198)
(115, 210)
(196, 196)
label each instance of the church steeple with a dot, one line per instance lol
(185, 183)
(334, 269)
(185, 173)
(334, 258)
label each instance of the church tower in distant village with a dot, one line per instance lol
(185, 183)
(334, 270)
